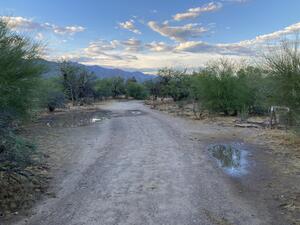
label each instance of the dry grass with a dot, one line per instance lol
(285, 144)
(283, 138)
(18, 192)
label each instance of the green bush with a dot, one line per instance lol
(136, 90)
(110, 87)
(19, 73)
(283, 66)
(19, 79)
(220, 90)
(221, 87)
(51, 94)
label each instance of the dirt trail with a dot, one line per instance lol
(143, 167)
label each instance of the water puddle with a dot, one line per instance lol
(84, 118)
(230, 157)
(128, 113)
(135, 112)
(75, 119)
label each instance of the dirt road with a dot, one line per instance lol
(142, 167)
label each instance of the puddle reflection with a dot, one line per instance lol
(230, 158)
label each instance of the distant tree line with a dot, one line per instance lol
(80, 86)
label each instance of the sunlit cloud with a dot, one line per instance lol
(132, 45)
(129, 25)
(158, 46)
(178, 33)
(97, 47)
(196, 12)
(25, 24)
(289, 30)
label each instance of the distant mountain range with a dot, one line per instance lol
(53, 69)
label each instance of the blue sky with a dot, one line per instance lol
(147, 35)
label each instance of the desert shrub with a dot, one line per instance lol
(51, 94)
(19, 78)
(257, 88)
(153, 87)
(224, 87)
(117, 86)
(197, 94)
(283, 66)
(19, 97)
(77, 82)
(15, 152)
(219, 87)
(173, 83)
(103, 88)
(179, 87)
(164, 77)
(55, 100)
(110, 87)
(136, 90)
(19, 73)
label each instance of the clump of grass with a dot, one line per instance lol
(283, 138)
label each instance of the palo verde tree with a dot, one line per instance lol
(19, 78)
(283, 66)
(219, 87)
(136, 90)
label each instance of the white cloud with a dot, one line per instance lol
(129, 25)
(292, 29)
(28, 25)
(245, 47)
(97, 47)
(102, 58)
(158, 47)
(132, 45)
(178, 33)
(21, 23)
(222, 49)
(195, 12)
(70, 30)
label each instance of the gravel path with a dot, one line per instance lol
(142, 168)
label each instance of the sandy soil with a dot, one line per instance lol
(129, 164)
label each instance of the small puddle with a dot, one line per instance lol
(128, 113)
(135, 112)
(231, 158)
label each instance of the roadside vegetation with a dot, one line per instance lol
(229, 88)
